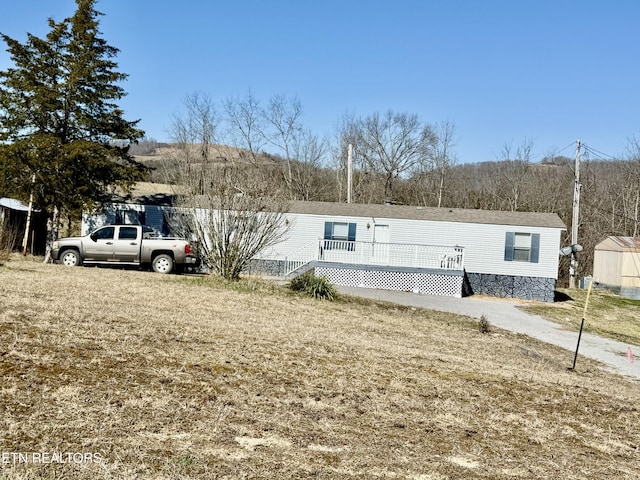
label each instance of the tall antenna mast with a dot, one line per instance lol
(575, 218)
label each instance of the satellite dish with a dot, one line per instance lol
(571, 249)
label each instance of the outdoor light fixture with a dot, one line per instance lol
(571, 249)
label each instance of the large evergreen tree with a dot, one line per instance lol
(59, 119)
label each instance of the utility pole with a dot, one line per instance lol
(575, 218)
(349, 172)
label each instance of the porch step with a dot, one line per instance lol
(301, 270)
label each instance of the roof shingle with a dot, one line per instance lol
(489, 217)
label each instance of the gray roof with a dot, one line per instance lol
(489, 217)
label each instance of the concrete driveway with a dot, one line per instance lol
(505, 314)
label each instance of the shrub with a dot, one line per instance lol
(316, 287)
(484, 325)
(8, 240)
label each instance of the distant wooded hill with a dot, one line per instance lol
(610, 193)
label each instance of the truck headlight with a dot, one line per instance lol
(55, 245)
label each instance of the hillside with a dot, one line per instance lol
(609, 204)
(190, 377)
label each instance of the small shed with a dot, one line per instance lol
(13, 221)
(616, 264)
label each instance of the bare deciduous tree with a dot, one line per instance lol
(236, 226)
(430, 173)
(305, 181)
(515, 166)
(442, 153)
(391, 144)
(225, 204)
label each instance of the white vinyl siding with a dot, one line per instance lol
(484, 243)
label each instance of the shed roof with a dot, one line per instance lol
(489, 217)
(13, 204)
(619, 244)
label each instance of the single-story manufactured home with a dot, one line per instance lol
(440, 251)
(616, 265)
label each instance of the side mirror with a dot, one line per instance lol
(93, 237)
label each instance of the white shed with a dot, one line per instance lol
(616, 264)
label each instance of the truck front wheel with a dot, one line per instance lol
(163, 263)
(70, 258)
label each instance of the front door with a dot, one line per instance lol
(381, 244)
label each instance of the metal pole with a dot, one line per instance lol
(584, 314)
(575, 219)
(349, 172)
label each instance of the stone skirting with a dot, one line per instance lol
(269, 268)
(504, 286)
(508, 286)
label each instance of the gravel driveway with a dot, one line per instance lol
(505, 314)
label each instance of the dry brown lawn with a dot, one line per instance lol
(178, 377)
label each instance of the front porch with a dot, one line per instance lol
(429, 269)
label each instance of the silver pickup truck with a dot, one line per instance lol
(125, 245)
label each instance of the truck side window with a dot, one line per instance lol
(104, 233)
(128, 233)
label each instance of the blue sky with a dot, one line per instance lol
(501, 71)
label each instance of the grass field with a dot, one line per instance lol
(607, 314)
(151, 376)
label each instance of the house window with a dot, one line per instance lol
(129, 217)
(521, 247)
(339, 235)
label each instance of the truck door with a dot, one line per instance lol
(99, 248)
(126, 247)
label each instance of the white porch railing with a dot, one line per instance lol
(436, 257)
(301, 257)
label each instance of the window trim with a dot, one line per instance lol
(329, 235)
(510, 247)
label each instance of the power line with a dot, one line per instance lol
(600, 155)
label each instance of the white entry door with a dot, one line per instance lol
(381, 244)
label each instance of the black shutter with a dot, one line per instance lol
(352, 232)
(328, 233)
(535, 248)
(509, 241)
(328, 230)
(351, 236)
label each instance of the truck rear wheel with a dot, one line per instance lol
(70, 258)
(163, 263)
